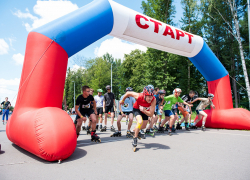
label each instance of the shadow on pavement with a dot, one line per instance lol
(154, 146)
(78, 153)
(2, 130)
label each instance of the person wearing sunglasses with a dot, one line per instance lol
(199, 110)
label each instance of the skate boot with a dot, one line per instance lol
(104, 129)
(83, 128)
(160, 130)
(88, 130)
(193, 126)
(150, 132)
(169, 131)
(134, 143)
(173, 129)
(159, 125)
(96, 127)
(187, 127)
(129, 134)
(166, 128)
(203, 128)
(100, 127)
(116, 134)
(112, 128)
(178, 126)
(155, 128)
(141, 134)
(94, 137)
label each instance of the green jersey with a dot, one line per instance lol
(170, 101)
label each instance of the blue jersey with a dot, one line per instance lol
(128, 104)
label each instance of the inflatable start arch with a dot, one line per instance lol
(40, 126)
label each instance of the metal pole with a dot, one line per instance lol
(248, 5)
(74, 97)
(111, 77)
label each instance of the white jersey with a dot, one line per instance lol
(99, 101)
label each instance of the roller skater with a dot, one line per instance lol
(126, 110)
(199, 110)
(99, 107)
(109, 105)
(143, 108)
(94, 137)
(83, 109)
(5, 105)
(116, 134)
(170, 101)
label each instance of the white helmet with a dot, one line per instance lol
(210, 95)
(176, 90)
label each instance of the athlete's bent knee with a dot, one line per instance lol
(139, 125)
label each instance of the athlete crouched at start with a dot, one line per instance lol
(199, 110)
(143, 108)
(83, 109)
(125, 110)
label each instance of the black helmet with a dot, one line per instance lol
(162, 92)
(148, 91)
(129, 89)
(108, 87)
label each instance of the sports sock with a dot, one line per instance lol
(203, 123)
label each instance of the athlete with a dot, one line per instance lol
(84, 110)
(99, 106)
(187, 110)
(108, 105)
(143, 108)
(199, 110)
(125, 110)
(89, 124)
(169, 116)
(5, 105)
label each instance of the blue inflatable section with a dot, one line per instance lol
(80, 28)
(208, 64)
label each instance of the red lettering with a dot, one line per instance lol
(189, 38)
(156, 25)
(179, 34)
(169, 31)
(138, 21)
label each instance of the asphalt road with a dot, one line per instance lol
(214, 154)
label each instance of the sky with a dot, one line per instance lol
(18, 18)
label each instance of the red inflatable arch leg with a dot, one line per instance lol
(38, 123)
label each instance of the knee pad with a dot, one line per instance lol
(139, 125)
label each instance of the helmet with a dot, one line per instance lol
(150, 85)
(129, 89)
(148, 91)
(176, 90)
(162, 92)
(108, 87)
(99, 90)
(210, 95)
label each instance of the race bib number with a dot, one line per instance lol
(86, 106)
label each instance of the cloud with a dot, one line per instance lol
(45, 11)
(9, 88)
(4, 47)
(117, 48)
(76, 67)
(18, 58)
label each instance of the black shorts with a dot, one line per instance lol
(109, 108)
(126, 113)
(174, 111)
(138, 112)
(85, 114)
(99, 110)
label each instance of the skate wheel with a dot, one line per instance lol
(134, 149)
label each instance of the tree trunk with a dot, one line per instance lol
(234, 83)
(235, 16)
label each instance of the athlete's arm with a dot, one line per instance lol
(197, 99)
(78, 112)
(94, 107)
(104, 104)
(129, 94)
(150, 113)
(190, 105)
